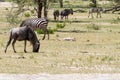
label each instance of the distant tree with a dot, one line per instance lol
(94, 3)
(40, 6)
(26, 7)
(117, 2)
(61, 3)
(2, 0)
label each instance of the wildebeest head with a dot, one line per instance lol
(36, 46)
(71, 11)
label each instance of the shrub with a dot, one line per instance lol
(32, 11)
(13, 19)
(51, 31)
(92, 5)
(116, 20)
(93, 27)
(60, 25)
(27, 14)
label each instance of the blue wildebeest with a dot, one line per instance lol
(97, 10)
(65, 13)
(56, 14)
(37, 23)
(26, 34)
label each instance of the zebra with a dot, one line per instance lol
(23, 33)
(37, 23)
(66, 12)
(97, 10)
(56, 14)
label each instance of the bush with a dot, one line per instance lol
(27, 14)
(13, 19)
(92, 5)
(60, 26)
(51, 31)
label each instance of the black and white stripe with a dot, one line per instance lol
(37, 23)
(97, 10)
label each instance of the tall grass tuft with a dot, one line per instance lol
(93, 26)
(116, 20)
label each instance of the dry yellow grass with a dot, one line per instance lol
(94, 51)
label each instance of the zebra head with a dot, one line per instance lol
(100, 9)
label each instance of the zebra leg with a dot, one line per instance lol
(92, 15)
(45, 32)
(25, 46)
(44, 36)
(97, 15)
(100, 15)
(13, 43)
(88, 15)
(48, 34)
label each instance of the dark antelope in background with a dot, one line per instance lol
(56, 14)
(26, 34)
(37, 23)
(65, 13)
(97, 10)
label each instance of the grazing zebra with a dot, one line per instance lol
(37, 23)
(65, 13)
(56, 15)
(23, 33)
(97, 10)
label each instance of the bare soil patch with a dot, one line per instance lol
(60, 76)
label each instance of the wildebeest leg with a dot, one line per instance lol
(55, 17)
(13, 43)
(25, 46)
(67, 17)
(61, 17)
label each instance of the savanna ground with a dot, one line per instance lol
(96, 49)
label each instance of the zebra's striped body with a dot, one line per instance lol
(97, 10)
(37, 23)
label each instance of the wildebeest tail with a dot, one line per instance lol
(9, 41)
(10, 37)
(22, 23)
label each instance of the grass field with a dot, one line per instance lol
(96, 49)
